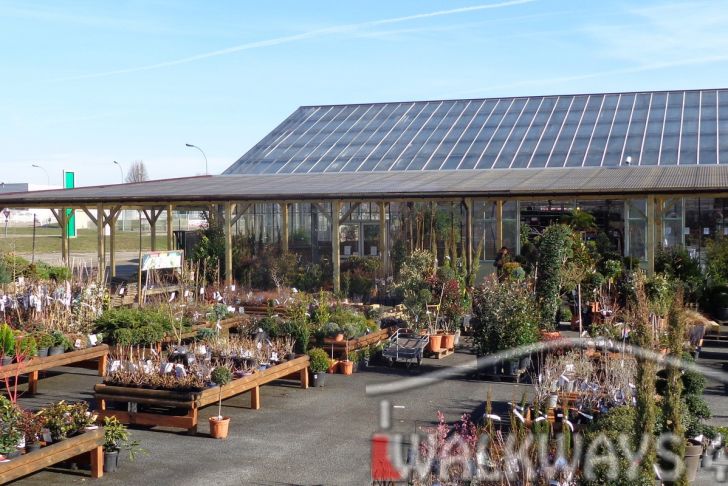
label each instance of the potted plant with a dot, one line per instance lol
(347, 366)
(319, 363)
(59, 421)
(221, 376)
(31, 424)
(116, 436)
(504, 317)
(10, 432)
(60, 343)
(43, 342)
(333, 331)
(27, 347)
(7, 344)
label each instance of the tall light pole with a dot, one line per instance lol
(121, 171)
(201, 151)
(48, 178)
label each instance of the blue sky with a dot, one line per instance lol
(86, 83)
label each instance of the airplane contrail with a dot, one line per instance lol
(296, 37)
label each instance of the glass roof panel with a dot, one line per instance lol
(681, 127)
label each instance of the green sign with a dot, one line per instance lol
(69, 182)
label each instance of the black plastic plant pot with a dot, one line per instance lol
(32, 447)
(318, 379)
(42, 352)
(54, 350)
(111, 461)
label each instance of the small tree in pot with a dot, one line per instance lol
(221, 376)
(116, 436)
(319, 363)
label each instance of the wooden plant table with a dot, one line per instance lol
(225, 325)
(191, 402)
(33, 366)
(91, 441)
(340, 348)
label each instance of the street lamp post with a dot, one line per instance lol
(201, 151)
(121, 171)
(48, 178)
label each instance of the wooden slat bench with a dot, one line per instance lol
(91, 442)
(33, 366)
(191, 402)
(340, 348)
(225, 325)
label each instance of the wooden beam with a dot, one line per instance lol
(383, 250)
(227, 223)
(284, 226)
(170, 235)
(152, 216)
(468, 204)
(240, 210)
(114, 215)
(60, 215)
(335, 246)
(498, 224)
(89, 214)
(650, 240)
(349, 212)
(100, 241)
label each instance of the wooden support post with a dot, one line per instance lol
(227, 222)
(100, 241)
(33, 382)
(153, 231)
(97, 462)
(284, 227)
(335, 244)
(112, 240)
(651, 226)
(468, 204)
(102, 364)
(255, 398)
(68, 241)
(383, 245)
(304, 378)
(498, 225)
(170, 239)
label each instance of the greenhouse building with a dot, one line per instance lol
(462, 177)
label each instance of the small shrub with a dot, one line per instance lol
(319, 360)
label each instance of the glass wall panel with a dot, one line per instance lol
(484, 228)
(637, 229)
(672, 232)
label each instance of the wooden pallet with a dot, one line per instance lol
(91, 442)
(163, 405)
(441, 353)
(34, 366)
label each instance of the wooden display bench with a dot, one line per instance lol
(162, 404)
(339, 349)
(225, 326)
(263, 310)
(34, 366)
(91, 441)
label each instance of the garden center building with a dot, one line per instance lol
(463, 176)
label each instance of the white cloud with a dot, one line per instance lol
(340, 29)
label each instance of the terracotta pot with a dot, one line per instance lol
(692, 460)
(346, 367)
(333, 366)
(339, 337)
(435, 343)
(219, 427)
(448, 341)
(550, 335)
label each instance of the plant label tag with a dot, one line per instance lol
(686, 230)
(92, 339)
(132, 407)
(122, 290)
(171, 297)
(179, 371)
(47, 436)
(167, 367)
(77, 344)
(706, 231)
(115, 365)
(202, 290)
(274, 356)
(187, 293)
(231, 308)
(241, 310)
(232, 288)
(202, 349)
